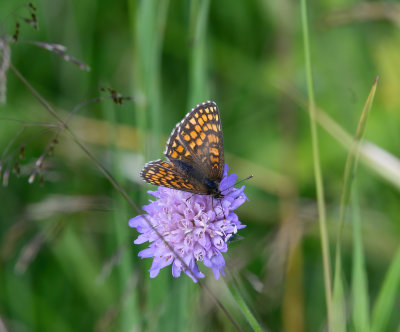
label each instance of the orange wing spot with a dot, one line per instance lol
(202, 136)
(201, 121)
(187, 126)
(199, 142)
(214, 126)
(212, 138)
(210, 117)
(174, 154)
(196, 115)
(193, 134)
(187, 154)
(207, 110)
(205, 128)
(204, 117)
(150, 171)
(192, 145)
(214, 159)
(165, 164)
(198, 128)
(214, 151)
(179, 149)
(174, 183)
(209, 125)
(201, 111)
(192, 121)
(174, 144)
(186, 138)
(216, 117)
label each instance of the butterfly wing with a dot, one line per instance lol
(176, 150)
(200, 133)
(161, 173)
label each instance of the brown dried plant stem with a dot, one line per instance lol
(116, 185)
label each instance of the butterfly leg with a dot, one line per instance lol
(187, 199)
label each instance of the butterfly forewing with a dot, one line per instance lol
(201, 134)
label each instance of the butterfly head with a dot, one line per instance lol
(213, 188)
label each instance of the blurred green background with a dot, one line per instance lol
(67, 262)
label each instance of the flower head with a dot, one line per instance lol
(196, 228)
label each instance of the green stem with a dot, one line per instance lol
(317, 166)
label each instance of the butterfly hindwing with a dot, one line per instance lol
(161, 173)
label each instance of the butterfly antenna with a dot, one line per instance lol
(248, 178)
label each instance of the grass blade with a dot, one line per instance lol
(339, 306)
(389, 293)
(359, 275)
(338, 323)
(198, 69)
(244, 308)
(352, 160)
(317, 166)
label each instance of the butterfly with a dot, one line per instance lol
(195, 151)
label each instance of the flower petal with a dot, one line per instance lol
(146, 253)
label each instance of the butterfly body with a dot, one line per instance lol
(196, 154)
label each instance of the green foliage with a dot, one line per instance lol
(67, 262)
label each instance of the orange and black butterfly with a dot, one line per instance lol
(195, 151)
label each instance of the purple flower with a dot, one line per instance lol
(196, 227)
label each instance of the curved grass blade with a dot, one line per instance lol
(339, 306)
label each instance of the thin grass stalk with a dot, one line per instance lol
(317, 166)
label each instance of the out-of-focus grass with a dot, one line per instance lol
(66, 266)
